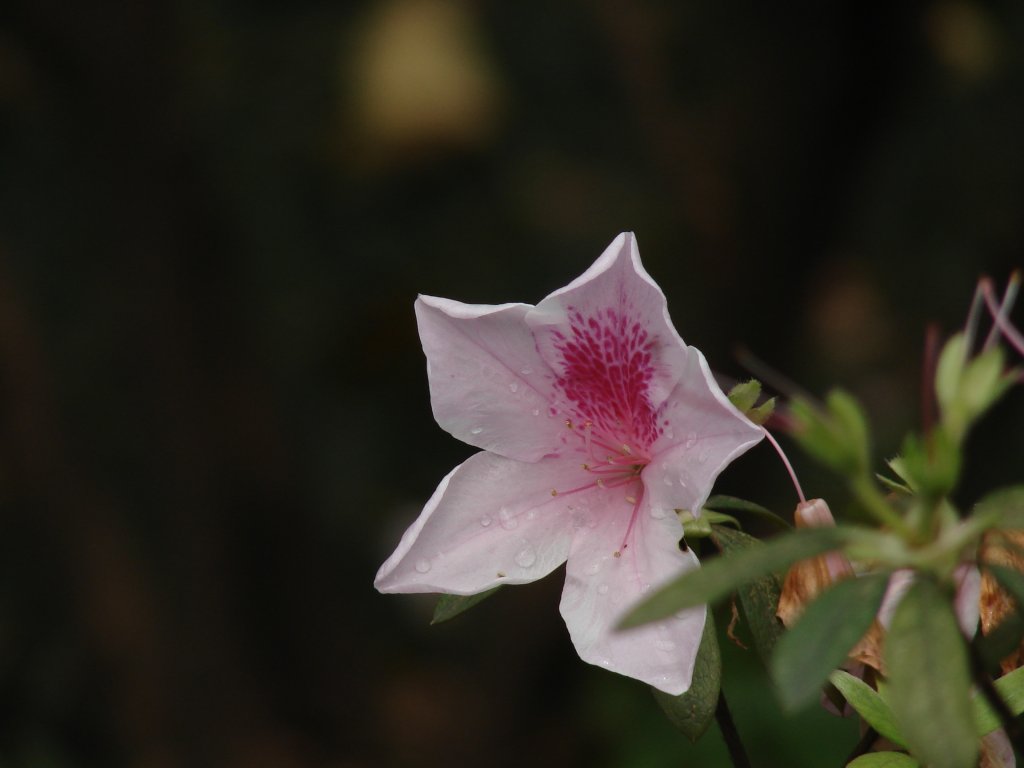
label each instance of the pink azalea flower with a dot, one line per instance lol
(596, 422)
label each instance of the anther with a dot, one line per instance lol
(554, 491)
(568, 423)
(617, 553)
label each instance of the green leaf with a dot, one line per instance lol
(720, 576)
(853, 424)
(837, 435)
(1001, 641)
(929, 682)
(1009, 579)
(824, 635)
(745, 394)
(759, 599)
(949, 370)
(763, 412)
(930, 466)
(693, 711)
(733, 504)
(884, 760)
(868, 703)
(1011, 688)
(1005, 505)
(450, 606)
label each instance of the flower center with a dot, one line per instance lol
(612, 466)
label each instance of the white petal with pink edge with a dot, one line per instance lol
(488, 385)
(491, 521)
(600, 588)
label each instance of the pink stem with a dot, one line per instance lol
(789, 467)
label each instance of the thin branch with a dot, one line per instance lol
(737, 752)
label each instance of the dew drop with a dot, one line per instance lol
(670, 434)
(531, 514)
(485, 521)
(691, 440)
(526, 371)
(507, 519)
(526, 557)
(703, 456)
(536, 411)
(664, 645)
(668, 480)
(476, 430)
(422, 566)
(593, 568)
(657, 512)
(513, 387)
(603, 589)
(645, 586)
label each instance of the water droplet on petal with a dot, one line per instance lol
(657, 512)
(664, 645)
(513, 387)
(668, 480)
(691, 440)
(526, 557)
(476, 430)
(593, 568)
(485, 521)
(422, 566)
(507, 519)
(536, 411)
(703, 456)
(531, 514)
(645, 586)
(603, 589)
(526, 371)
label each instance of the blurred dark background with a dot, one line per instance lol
(214, 423)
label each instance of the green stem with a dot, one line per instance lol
(730, 735)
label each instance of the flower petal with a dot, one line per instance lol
(701, 433)
(491, 521)
(600, 588)
(608, 338)
(488, 385)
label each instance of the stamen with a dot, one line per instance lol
(632, 519)
(1009, 297)
(1009, 331)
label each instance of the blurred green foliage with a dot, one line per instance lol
(214, 218)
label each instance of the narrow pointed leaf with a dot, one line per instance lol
(759, 599)
(693, 711)
(868, 703)
(720, 576)
(733, 504)
(823, 637)
(450, 606)
(929, 682)
(1011, 688)
(884, 760)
